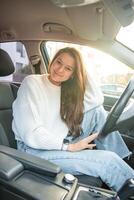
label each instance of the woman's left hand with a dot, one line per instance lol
(85, 143)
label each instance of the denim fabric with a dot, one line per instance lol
(103, 162)
(92, 123)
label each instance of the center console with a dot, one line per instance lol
(26, 177)
(93, 193)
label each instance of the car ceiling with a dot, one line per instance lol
(25, 19)
(37, 20)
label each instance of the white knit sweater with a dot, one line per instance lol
(36, 112)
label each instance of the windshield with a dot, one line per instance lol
(126, 36)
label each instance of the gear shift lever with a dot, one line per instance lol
(127, 190)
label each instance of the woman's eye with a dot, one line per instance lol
(68, 69)
(58, 61)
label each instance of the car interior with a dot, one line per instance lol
(92, 23)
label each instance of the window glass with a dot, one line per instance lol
(17, 52)
(112, 75)
(126, 35)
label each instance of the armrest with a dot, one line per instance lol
(31, 162)
(9, 167)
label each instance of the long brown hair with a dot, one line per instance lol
(72, 93)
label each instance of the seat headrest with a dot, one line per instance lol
(6, 64)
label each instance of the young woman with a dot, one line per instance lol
(66, 105)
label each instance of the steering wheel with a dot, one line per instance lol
(116, 111)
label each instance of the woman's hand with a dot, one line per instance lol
(83, 144)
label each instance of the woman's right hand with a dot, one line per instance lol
(83, 144)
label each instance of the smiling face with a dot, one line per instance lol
(62, 68)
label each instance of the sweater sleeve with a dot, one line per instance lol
(93, 95)
(27, 124)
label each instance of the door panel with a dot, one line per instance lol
(109, 101)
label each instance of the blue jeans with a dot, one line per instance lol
(105, 162)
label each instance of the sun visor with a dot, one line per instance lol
(122, 10)
(74, 3)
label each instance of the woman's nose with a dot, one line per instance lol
(61, 69)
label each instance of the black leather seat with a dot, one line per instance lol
(8, 93)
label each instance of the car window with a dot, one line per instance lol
(18, 54)
(125, 36)
(112, 75)
(112, 88)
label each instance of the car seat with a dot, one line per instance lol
(8, 92)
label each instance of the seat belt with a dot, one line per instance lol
(36, 62)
